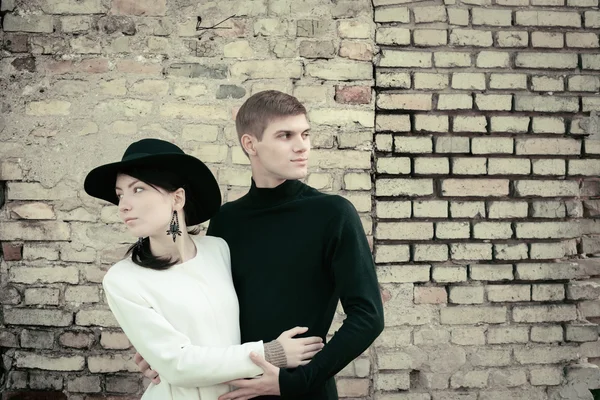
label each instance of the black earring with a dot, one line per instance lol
(140, 243)
(174, 227)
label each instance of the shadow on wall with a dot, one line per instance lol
(34, 396)
(2, 197)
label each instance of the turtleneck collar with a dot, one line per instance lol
(279, 194)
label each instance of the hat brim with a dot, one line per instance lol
(200, 181)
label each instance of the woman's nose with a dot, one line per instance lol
(124, 205)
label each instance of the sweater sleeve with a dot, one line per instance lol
(168, 351)
(355, 280)
(214, 227)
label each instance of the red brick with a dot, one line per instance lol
(134, 67)
(12, 251)
(136, 7)
(356, 51)
(232, 28)
(92, 66)
(430, 295)
(24, 64)
(16, 43)
(58, 67)
(353, 94)
(385, 295)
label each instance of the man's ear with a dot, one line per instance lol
(248, 144)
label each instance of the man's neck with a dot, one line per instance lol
(262, 179)
(267, 183)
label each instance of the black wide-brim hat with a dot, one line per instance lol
(200, 183)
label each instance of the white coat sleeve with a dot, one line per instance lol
(170, 352)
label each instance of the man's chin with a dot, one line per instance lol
(296, 175)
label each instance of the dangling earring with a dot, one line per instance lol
(140, 243)
(174, 227)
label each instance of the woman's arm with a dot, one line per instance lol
(170, 352)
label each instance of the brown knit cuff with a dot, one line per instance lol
(275, 354)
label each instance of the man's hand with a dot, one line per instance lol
(146, 369)
(267, 384)
(299, 351)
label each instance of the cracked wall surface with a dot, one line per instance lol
(465, 133)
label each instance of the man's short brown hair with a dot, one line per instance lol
(262, 108)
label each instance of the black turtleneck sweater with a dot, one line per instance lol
(294, 253)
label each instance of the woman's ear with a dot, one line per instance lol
(178, 199)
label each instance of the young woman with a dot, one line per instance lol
(174, 297)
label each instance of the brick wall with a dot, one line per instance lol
(485, 174)
(484, 166)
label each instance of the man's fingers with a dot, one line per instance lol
(237, 394)
(241, 383)
(311, 340)
(304, 362)
(150, 374)
(147, 371)
(295, 331)
(313, 347)
(143, 365)
(308, 356)
(260, 361)
(145, 368)
(244, 394)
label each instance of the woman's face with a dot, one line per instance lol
(146, 211)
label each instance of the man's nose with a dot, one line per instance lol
(301, 145)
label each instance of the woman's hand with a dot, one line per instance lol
(299, 351)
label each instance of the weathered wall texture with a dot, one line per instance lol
(484, 165)
(81, 79)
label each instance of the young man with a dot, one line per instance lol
(295, 252)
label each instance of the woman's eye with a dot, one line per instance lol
(138, 189)
(119, 196)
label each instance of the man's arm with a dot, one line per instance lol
(356, 282)
(213, 227)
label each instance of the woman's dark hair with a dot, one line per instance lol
(170, 182)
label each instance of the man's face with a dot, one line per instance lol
(284, 149)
